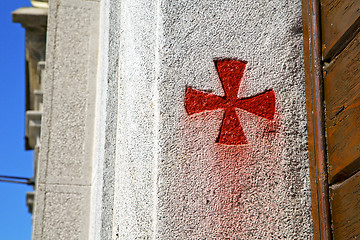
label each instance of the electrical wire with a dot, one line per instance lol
(19, 180)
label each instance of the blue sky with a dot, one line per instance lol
(15, 221)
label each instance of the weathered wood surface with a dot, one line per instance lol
(312, 162)
(315, 120)
(342, 99)
(345, 208)
(340, 22)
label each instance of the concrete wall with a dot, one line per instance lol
(141, 167)
(64, 173)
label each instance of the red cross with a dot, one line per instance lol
(230, 73)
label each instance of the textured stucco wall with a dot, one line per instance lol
(172, 181)
(122, 159)
(63, 184)
(102, 197)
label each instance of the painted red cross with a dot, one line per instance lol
(230, 73)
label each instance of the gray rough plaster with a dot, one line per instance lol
(106, 122)
(64, 211)
(172, 180)
(67, 152)
(62, 202)
(134, 203)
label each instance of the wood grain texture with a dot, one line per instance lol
(342, 99)
(310, 130)
(345, 208)
(315, 120)
(340, 22)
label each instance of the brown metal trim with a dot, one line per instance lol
(316, 123)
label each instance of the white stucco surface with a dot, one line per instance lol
(122, 159)
(172, 180)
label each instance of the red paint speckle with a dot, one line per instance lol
(230, 73)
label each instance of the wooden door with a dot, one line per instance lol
(332, 72)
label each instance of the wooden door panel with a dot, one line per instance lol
(345, 208)
(340, 21)
(342, 100)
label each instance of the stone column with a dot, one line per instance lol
(63, 183)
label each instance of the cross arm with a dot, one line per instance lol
(197, 101)
(262, 105)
